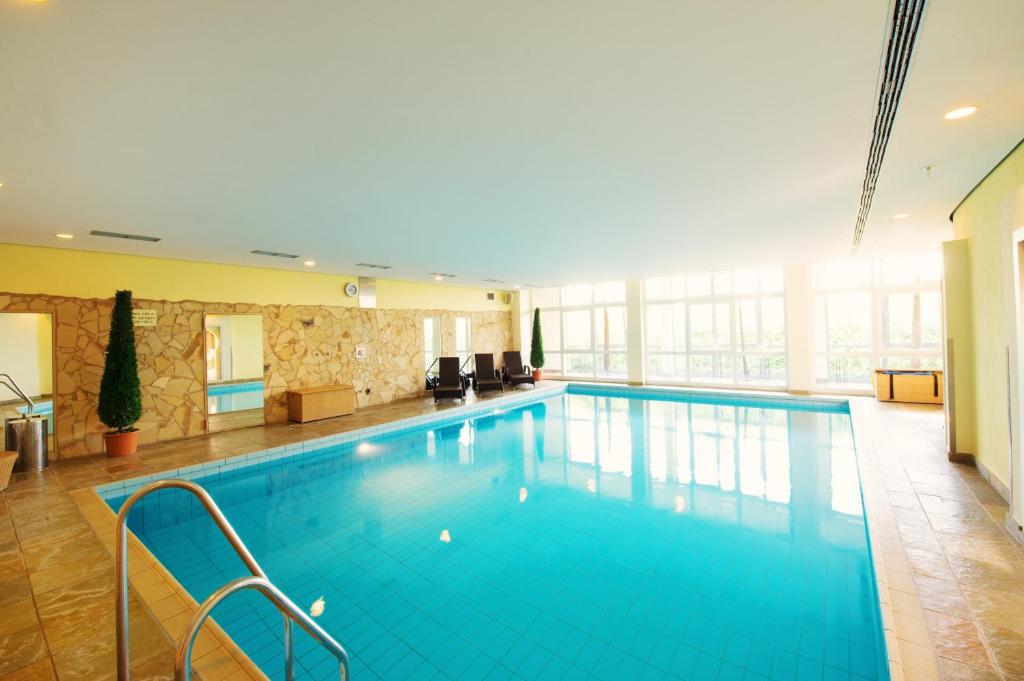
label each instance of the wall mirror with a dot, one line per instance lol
(27, 362)
(234, 371)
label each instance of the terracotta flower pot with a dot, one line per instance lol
(537, 374)
(121, 444)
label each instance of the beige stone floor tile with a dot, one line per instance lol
(1007, 648)
(958, 639)
(951, 670)
(14, 587)
(37, 671)
(1003, 609)
(993, 574)
(17, 616)
(928, 563)
(21, 648)
(941, 595)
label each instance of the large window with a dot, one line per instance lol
(723, 328)
(884, 313)
(584, 329)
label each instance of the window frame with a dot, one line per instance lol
(732, 299)
(877, 350)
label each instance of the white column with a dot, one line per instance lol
(799, 329)
(636, 373)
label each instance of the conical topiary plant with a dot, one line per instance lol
(537, 343)
(120, 404)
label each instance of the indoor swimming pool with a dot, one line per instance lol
(597, 533)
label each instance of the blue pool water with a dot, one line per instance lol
(42, 408)
(591, 537)
(235, 396)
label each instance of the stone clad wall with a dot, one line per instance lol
(302, 346)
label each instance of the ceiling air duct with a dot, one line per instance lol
(905, 22)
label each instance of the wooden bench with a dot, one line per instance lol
(321, 402)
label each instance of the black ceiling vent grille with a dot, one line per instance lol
(906, 21)
(495, 281)
(119, 235)
(372, 266)
(275, 254)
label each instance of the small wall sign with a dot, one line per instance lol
(142, 317)
(360, 353)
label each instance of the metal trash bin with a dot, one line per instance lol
(27, 435)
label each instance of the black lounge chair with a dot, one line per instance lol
(517, 373)
(449, 380)
(486, 376)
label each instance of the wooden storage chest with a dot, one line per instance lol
(321, 402)
(909, 385)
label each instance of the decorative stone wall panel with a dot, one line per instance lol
(302, 346)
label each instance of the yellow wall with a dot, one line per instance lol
(26, 353)
(986, 219)
(88, 274)
(959, 325)
(408, 295)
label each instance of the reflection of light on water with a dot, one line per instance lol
(431, 444)
(446, 537)
(591, 486)
(680, 504)
(523, 493)
(317, 608)
(498, 412)
(364, 448)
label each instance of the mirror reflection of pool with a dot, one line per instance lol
(225, 397)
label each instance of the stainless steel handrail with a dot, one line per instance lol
(121, 577)
(183, 655)
(6, 380)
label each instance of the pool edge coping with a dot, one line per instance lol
(216, 656)
(909, 657)
(910, 650)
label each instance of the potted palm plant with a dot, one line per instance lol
(120, 404)
(537, 347)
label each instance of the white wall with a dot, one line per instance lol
(26, 352)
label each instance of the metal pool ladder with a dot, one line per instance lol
(258, 582)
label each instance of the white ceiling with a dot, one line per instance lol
(530, 142)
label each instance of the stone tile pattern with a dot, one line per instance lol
(303, 345)
(954, 576)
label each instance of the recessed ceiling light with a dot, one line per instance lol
(962, 112)
(64, 235)
(901, 216)
(438, 277)
(1, 185)
(310, 263)
(517, 286)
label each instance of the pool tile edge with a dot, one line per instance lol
(912, 657)
(216, 656)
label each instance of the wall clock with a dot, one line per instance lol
(351, 289)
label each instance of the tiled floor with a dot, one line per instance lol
(966, 570)
(56, 577)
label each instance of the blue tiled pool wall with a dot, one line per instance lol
(735, 398)
(315, 446)
(458, 415)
